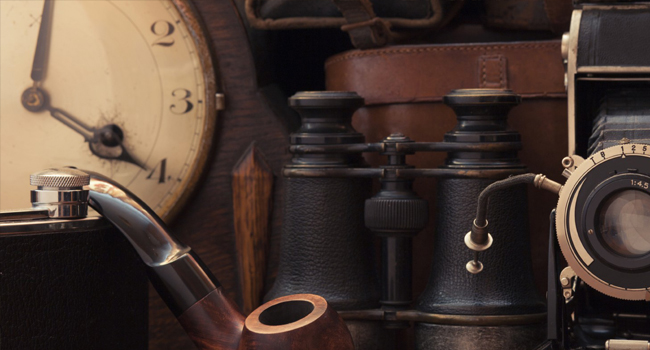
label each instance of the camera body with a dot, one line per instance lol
(601, 300)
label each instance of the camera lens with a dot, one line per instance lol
(624, 222)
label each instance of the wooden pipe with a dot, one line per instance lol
(302, 321)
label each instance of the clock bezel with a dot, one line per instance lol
(172, 207)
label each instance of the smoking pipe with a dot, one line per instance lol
(194, 295)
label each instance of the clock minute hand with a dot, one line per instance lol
(42, 43)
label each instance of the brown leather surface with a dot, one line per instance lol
(392, 79)
(407, 74)
(516, 14)
(366, 30)
(559, 14)
(300, 14)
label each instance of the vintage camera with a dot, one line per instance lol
(603, 214)
(601, 300)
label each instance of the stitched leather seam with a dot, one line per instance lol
(385, 52)
(484, 69)
(484, 59)
(501, 64)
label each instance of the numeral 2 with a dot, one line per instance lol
(163, 29)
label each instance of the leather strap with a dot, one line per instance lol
(366, 30)
(425, 73)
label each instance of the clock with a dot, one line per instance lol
(123, 88)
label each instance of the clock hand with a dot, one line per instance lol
(105, 142)
(73, 123)
(42, 43)
(34, 99)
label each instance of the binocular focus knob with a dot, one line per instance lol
(60, 191)
(406, 214)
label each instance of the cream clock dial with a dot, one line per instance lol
(123, 88)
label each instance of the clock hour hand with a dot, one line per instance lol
(105, 142)
(42, 43)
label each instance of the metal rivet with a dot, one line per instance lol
(565, 281)
(564, 46)
(474, 267)
(567, 162)
(591, 232)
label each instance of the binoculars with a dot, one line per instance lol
(332, 225)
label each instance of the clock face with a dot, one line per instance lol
(127, 90)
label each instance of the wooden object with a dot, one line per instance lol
(300, 321)
(252, 189)
(213, 323)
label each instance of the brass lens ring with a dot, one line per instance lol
(580, 256)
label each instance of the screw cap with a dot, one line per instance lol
(59, 178)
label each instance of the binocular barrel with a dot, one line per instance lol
(505, 286)
(325, 246)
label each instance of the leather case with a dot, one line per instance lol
(403, 87)
(554, 15)
(292, 14)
